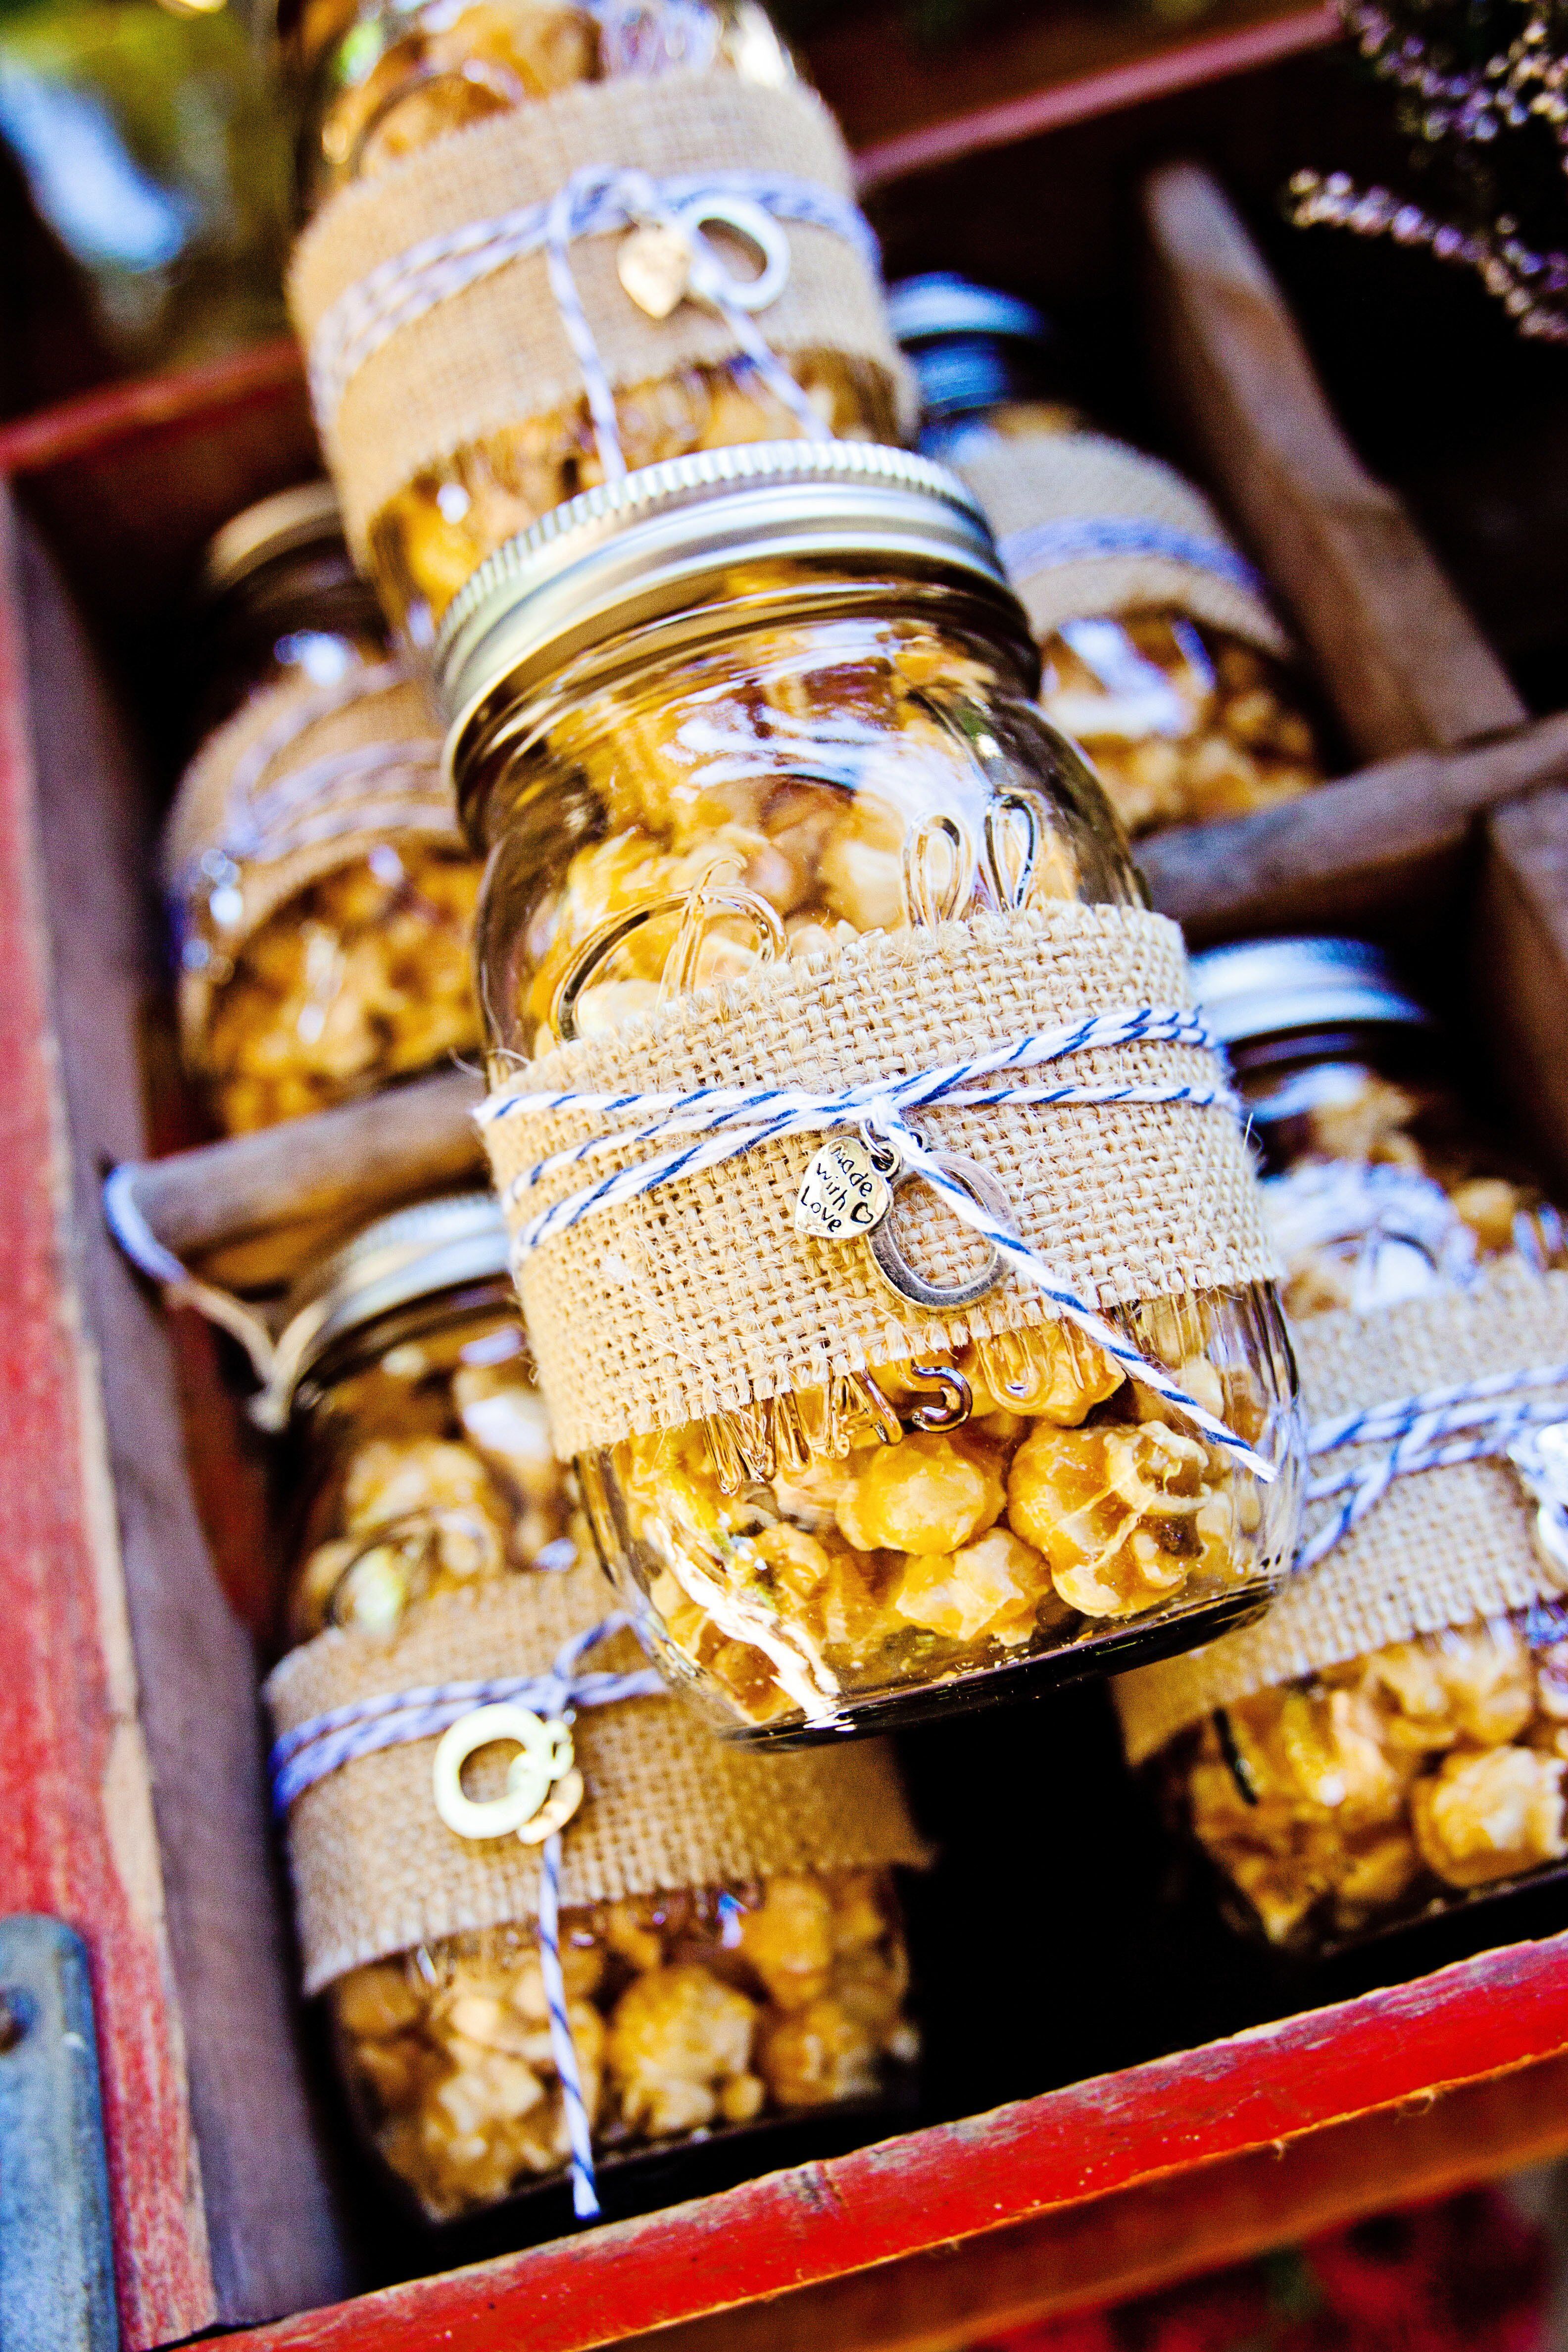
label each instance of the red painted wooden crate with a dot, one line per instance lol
(130, 1740)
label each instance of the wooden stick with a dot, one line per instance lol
(1374, 845)
(1519, 975)
(1402, 660)
(250, 1211)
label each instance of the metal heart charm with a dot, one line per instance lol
(654, 265)
(844, 1195)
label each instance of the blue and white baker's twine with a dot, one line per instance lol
(1468, 1423)
(738, 1119)
(595, 202)
(1081, 539)
(325, 1742)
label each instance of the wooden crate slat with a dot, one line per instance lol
(1400, 657)
(269, 2239)
(1163, 72)
(1384, 840)
(818, 2221)
(76, 1836)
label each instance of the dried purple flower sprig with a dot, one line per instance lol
(1466, 111)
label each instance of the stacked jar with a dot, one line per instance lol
(750, 742)
(1392, 1742)
(1161, 655)
(552, 242)
(728, 1941)
(321, 900)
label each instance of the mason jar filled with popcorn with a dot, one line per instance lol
(914, 1340)
(1389, 1744)
(723, 1931)
(643, 243)
(1161, 655)
(321, 898)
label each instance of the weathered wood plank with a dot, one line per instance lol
(1400, 658)
(908, 2200)
(253, 1209)
(270, 2229)
(76, 1836)
(1378, 845)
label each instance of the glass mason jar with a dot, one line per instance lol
(1392, 1786)
(1382, 1180)
(389, 79)
(745, 717)
(425, 1469)
(320, 895)
(1186, 720)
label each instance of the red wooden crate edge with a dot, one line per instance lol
(1507, 2009)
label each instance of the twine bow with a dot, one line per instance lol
(729, 1121)
(595, 202)
(326, 1742)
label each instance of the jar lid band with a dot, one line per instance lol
(668, 536)
(1264, 987)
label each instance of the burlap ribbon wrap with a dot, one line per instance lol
(376, 1871)
(303, 780)
(1442, 1548)
(495, 353)
(1036, 489)
(700, 1296)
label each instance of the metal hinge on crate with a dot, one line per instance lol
(57, 2252)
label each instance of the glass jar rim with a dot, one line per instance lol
(670, 537)
(307, 516)
(453, 1243)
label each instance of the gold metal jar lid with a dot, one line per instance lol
(681, 538)
(1266, 988)
(453, 1243)
(306, 516)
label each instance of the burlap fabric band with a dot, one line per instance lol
(700, 1296)
(211, 813)
(1056, 478)
(496, 354)
(1442, 1547)
(376, 1871)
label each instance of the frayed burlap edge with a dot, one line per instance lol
(375, 1871)
(1443, 1547)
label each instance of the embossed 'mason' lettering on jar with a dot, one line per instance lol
(772, 823)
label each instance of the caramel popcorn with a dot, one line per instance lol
(1428, 1764)
(1183, 726)
(442, 1473)
(857, 1536)
(442, 70)
(688, 2012)
(889, 1553)
(360, 978)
